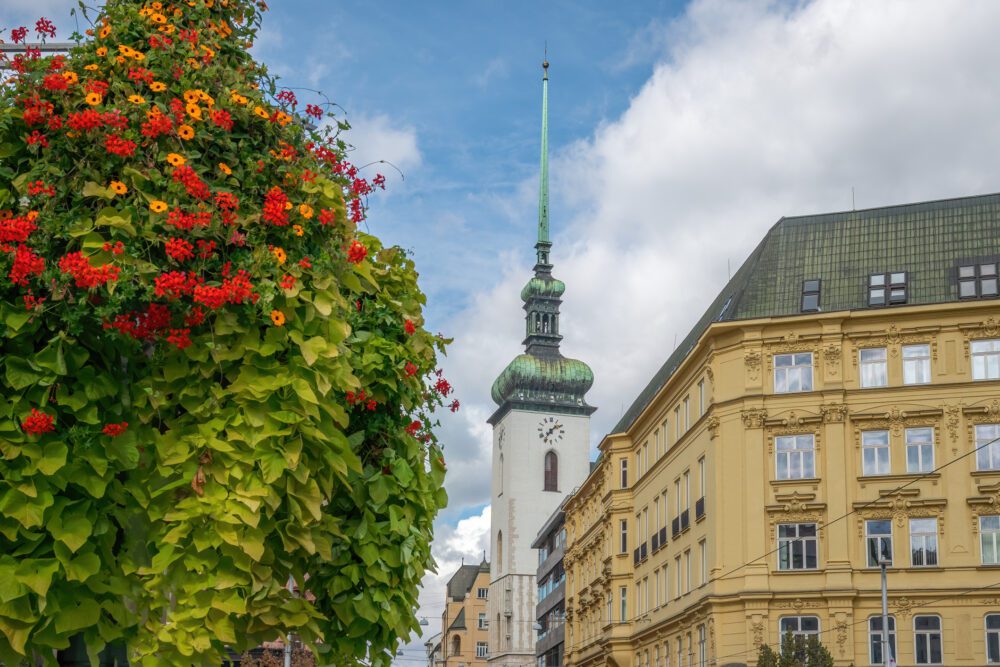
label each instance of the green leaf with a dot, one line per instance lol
(83, 567)
(71, 527)
(92, 189)
(77, 617)
(36, 573)
(53, 457)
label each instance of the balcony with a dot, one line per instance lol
(675, 527)
(642, 552)
(663, 537)
(699, 509)
(655, 542)
(685, 520)
(635, 556)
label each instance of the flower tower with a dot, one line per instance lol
(212, 382)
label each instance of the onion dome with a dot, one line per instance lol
(552, 380)
(542, 287)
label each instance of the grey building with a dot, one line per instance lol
(550, 612)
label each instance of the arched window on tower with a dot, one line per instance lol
(501, 474)
(545, 323)
(538, 323)
(500, 551)
(551, 472)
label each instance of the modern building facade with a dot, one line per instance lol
(550, 613)
(840, 396)
(464, 638)
(541, 445)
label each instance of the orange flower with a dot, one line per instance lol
(157, 86)
(194, 111)
(288, 206)
(118, 187)
(278, 318)
(306, 210)
(32, 215)
(91, 67)
(158, 18)
(93, 99)
(224, 168)
(185, 132)
(105, 31)
(136, 99)
(298, 230)
(175, 159)
(261, 112)
(157, 206)
(70, 77)
(279, 254)
(192, 96)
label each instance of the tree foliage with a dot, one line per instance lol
(211, 381)
(796, 651)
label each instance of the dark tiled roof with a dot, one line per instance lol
(927, 240)
(459, 622)
(461, 582)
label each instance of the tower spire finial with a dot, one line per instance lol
(543, 189)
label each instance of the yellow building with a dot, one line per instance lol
(840, 396)
(464, 624)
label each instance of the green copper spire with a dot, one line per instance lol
(543, 190)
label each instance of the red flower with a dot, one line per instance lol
(288, 282)
(179, 338)
(114, 430)
(205, 248)
(274, 207)
(195, 187)
(174, 284)
(327, 217)
(41, 188)
(222, 119)
(83, 121)
(305, 263)
(372, 405)
(357, 252)
(45, 28)
(26, 264)
(115, 145)
(454, 405)
(195, 317)
(32, 302)
(38, 423)
(38, 138)
(116, 248)
(54, 82)
(314, 111)
(15, 230)
(156, 125)
(410, 369)
(409, 327)
(179, 250)
(442, 387)
(414, 426)
(18, 35)
(85, 275)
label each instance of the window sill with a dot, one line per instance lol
(988, 567)
(986, 473)
(815, 570)
(905, 477)
(795, 482)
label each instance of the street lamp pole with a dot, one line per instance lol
(885, 612)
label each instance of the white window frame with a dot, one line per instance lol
(623, 597)
(919, 453)
(624, 473)
(922, 540)
(873, 642)
(994, 635)
(482, 593)
(482, 649)
(623, 528)
(917, 364)
(483, 621)
(796, 375)
(798, 631)
(702, 647)
(987, 455)
(876, 455)
(804, 455)
(882, 538)
(789, 543)
(875, 369)
(985, 359)
(989, 537)
(703, 557)
(926, 637)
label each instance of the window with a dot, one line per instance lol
(810, 296)
(702, 648)
(680, 652)
(656, 589)
(798, 626)
(919, 450)
(624, 473)
(923, 542)
(795, 456)
(797, 546)
(638, 598)
(916, 364)
(666, 585)
(687, 490)
(680, 577)
(456, 645)
(703, 558)
(482, 649)
(985, 359)
(793, 372)
(875, 453)
(874, 368)
(927, 640)
(701, 398)
(687, 568)
(875, 639)
(483, 621)
(701, 477)
(878, 542)
(988, 447)
(993, 638)
(977, 280)
(887, 288)
(687, 413)
(624, 537)
(500, 549)
(989, 536)
(482, 593)
(677, 423)
(551, 472)
(623, 597)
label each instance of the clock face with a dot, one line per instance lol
(551, 430)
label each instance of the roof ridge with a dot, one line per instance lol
(946, 201)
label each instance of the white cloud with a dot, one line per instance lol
(379, 137)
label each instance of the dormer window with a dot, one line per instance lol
(977, 281)
(887, 289)
(810, 296)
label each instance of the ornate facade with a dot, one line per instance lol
(743, 494)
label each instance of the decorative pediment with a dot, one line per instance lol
(894, 420)
(893, 338)
(792, 420)
(794, 507)
(899, 505)
(986, 503)
(984, 412)
(752, 361)
(754, 417)
(833, 413)
(988, 328)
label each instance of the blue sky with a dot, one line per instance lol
(680, 132)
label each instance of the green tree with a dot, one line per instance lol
(796, 651)
(211, 381)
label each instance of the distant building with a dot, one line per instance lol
(433, 650)
(541, 444)
(464, 623)
(839, 399)
(551, 609)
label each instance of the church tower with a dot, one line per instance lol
(541, 444)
